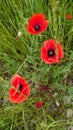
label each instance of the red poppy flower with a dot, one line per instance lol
(68, 16)
(43, 88)
(51, 52)
(39, 104)
(20, 89)
(37, 24)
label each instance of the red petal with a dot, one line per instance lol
(52, 61)
(22, 81)
(21, 99)
(43, 53)
(50, 44)
(61, 52)
(45, 25)
(26, 91)
(15, 81)
(37, 19)
(12, 92)
(14, 98)
(31, 29)
(25, 86)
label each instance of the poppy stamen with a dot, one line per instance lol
(37, 28)
(51, 53)
(20, 87)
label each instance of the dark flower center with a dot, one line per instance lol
(37, 28)
(20, 87)
(51, 53)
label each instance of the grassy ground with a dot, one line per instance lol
(22, 55)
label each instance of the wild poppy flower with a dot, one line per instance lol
(68, 16)
(51, 52)
(37, 24)
(19, 90)
(39, 104)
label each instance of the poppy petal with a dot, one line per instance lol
(45, 25)
(37, 18)
(50, 44)
(30, 29)
(14, 98)
(12, 92)
(21, 99)
(26, 91)
(61, 53)
(15, 81)
(43, 53)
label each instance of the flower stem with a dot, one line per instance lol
(21, 65)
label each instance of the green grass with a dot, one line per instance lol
(22, 56)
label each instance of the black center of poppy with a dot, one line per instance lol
(20, 87)
(51, 53)
(37, 28)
